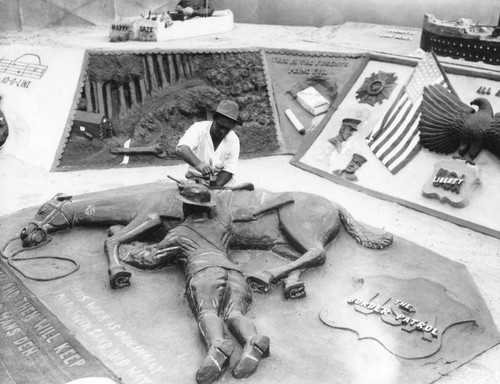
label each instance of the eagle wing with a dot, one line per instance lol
(492, 138)
(442, 119)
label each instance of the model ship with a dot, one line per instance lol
(462, 39)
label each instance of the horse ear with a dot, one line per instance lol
(61, 197)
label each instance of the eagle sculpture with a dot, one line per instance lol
(446, 123)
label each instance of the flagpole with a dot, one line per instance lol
(441, 69)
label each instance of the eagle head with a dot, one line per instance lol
(483, 105)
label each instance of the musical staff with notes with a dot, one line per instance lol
(23, 69)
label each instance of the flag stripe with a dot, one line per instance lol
(404, 144)
(403, 111)
(402, 138)
(378, 130)
(407, 157)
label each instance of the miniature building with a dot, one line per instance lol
(93, 124)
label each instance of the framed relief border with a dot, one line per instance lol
(149, 98)
(320, 156)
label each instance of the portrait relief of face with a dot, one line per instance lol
(345, 132)
(356, 162)
(353, 166)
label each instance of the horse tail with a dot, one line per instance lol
(363, 235)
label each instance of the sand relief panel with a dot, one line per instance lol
(307, 85)
(412, 307)
(37, 88)
(147, 100)
(384, 140)
(35, 340)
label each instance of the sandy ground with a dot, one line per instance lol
(24, 186)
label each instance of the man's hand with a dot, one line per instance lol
(188, 11)
(204, 168)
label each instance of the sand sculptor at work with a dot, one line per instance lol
(211, 148)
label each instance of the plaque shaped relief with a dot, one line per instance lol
(453, 182)
(307, 86)
(407, 317)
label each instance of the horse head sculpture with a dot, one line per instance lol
(50, 217)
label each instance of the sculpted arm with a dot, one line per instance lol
(251, 213)
(154, 256)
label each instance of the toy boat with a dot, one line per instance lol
(461, 39)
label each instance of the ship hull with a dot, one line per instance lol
(448, 41)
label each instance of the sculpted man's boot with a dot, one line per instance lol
(254, 350)
(215, 362)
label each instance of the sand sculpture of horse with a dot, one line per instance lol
(296, 225)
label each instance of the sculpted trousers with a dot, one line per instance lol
(218, 290)
(217, 295)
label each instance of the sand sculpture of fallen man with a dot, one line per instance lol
(255, 219)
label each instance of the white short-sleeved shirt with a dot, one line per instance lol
(225, 158)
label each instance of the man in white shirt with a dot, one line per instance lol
(211, 148)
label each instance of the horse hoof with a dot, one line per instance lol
(258, 286)
(119, 278)
(260, 282)
(294, 291)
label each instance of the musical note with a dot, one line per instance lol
(19, 68)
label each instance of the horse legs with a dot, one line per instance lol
(308, 226)
(293, 287)
(118, 276)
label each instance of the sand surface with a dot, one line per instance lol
(24, 185)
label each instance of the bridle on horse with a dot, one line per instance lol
(45, 227)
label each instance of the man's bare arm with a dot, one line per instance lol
(223, 178)
(189, 157)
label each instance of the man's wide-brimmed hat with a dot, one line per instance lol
(229, 109)
(196, 194)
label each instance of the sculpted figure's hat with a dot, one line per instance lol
(196, 194)
(358, 158)
(229, 109)
(352, 123)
